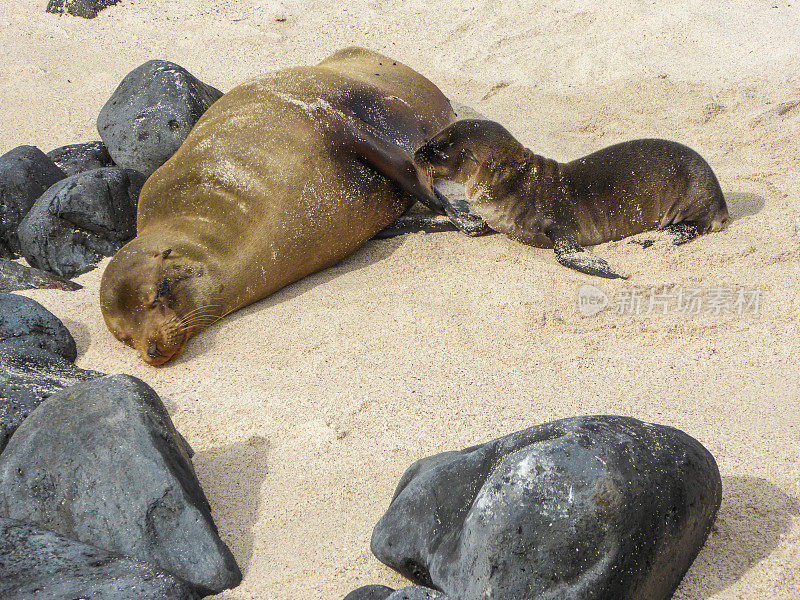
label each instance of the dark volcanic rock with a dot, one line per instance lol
(25, 174)
(87, 9)
(26, 320)
(77, 158)
(36, 354)
(80, 220)
(35, 563)
(29, 375)
(417, 593)
(15, 277)
(150, 114)
(381, 592)
(607, 508)
(370, 592)
(101, 462)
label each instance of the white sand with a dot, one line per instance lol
(306, 408)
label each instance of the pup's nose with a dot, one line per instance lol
(153, 351)
(423, 154)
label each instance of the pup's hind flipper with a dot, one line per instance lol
(571, 254)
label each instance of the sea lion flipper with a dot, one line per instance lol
(415, 223)
(467, 222)
(390, 160)
(462, 216)
(571, 254)
(447, 215)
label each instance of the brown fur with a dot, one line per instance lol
(281, 177)
(611, 194)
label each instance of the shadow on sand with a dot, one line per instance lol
(80, 333)
(743, 205)
(753, 516)
(232, 477)
(371, 252)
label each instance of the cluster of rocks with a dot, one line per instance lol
(67, 209)
(99, 498)
(37, 355)
(98, 495)
(600, 507)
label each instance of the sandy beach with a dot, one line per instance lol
(306, 408)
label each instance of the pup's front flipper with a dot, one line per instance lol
(571, 254)
(445, 215)
(415, 222)
(462, 216)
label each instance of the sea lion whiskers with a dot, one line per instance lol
(199, 310)
(203, 320)
(202, 316)
(198, 320)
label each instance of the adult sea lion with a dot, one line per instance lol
(611, 194)
(281, 177)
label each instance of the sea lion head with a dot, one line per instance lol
(456, 152)
(153, 299)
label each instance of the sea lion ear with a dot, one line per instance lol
(166, 253)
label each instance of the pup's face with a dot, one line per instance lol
(456, 152)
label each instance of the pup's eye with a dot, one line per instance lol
(469, 155)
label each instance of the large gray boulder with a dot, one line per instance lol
(101, 462)
(600, 508)
(416, 592)
(80, 220)
(25, 320)
(381, 592)
(25, 174)
(150, 114)
(39, 564)
(370, 592)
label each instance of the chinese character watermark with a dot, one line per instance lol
(713, 301)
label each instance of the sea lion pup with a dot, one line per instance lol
(281, 177)
(611, 194)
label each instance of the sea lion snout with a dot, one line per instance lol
(162, 345)
(438, 159)
(429, 154)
